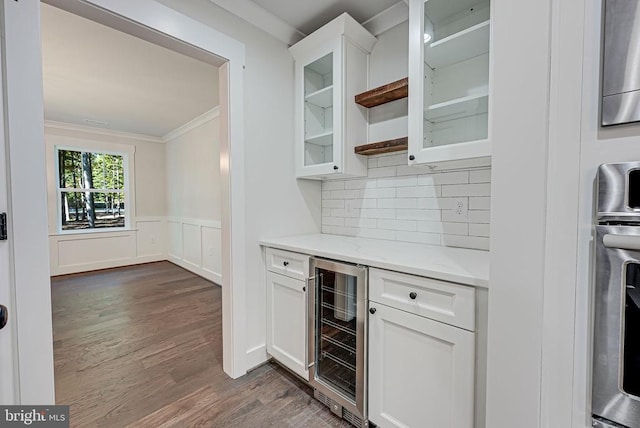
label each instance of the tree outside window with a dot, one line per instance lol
(91, 190)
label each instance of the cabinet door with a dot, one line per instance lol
(421, 372)
(319, 111)
(287, 322)
(449, 66)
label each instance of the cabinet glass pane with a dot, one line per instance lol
(335, 340)
(318, 111)
(456, 71)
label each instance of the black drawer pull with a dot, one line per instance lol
(285, 263)
(372, 311)
(413, 295)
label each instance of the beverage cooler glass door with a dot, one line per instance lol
(338, 348)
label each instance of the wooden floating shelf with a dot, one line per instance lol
(384, 94)
(388, 146)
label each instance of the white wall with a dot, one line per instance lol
(145, 240)
(276, 203)
(193, 199)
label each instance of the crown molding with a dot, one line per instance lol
(64, 126)
(192, 124)
(263, 19)
(388, 18)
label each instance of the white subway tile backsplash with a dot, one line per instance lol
(345, 194)
(408, 225)
(456, 177)
(378, 193)
(411, 203)
(398, 181)
(413, 170)
(480, 216)
(389, 235)
(387, 171)
(332, 203)
(426, 215)
(480, 189)
(359, 184)
(480, 176)
(480, 203)
(474, 242)
(344, 231)
(419, 192)
(377, 213)
(333, 221)
(370, 223)
(351, 204)
(443, 227)
(479, 230)
(398, 203)
(392, 160)
(333, 185)
(420, 238)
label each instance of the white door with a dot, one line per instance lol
(26, 344)
(421, 372)
(7, 334)
(287, 322)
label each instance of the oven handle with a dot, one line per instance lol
(623, 242)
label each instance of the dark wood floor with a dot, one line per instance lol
(142, 346)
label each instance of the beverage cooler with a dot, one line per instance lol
(337, 327)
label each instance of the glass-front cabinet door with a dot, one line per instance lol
(449, 65)
(318, 112)
(331, 67)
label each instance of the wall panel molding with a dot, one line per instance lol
(196, 245)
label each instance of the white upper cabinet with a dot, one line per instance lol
(331, 68)
(449, 47)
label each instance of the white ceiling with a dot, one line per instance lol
(309, 15)
(94, 73)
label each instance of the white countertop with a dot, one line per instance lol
(470, 267)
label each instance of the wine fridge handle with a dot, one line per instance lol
(310, 286)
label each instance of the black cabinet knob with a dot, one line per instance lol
(285, 263)
(335, 167)
(372, 311)
(413, 295)
(412, 157)
(4, 316)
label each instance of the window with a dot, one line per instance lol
(92, 190)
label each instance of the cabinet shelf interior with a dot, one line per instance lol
(458, 47)
(458, 108)
(321, 98)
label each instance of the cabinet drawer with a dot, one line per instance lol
(286, 263)
(442, 301)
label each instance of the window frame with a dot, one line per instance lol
(126, 189)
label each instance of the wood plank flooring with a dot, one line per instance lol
(141, 346)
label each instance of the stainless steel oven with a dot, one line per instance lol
(616, 359)
(337, 328)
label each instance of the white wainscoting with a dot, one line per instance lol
(196, 245)
(81, 252)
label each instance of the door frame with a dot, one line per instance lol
(21, 52)
(159, 24)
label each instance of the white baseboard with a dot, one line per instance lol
(211, 276)
(256, 356)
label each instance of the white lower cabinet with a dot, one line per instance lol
(421, 371)
(287, 322)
